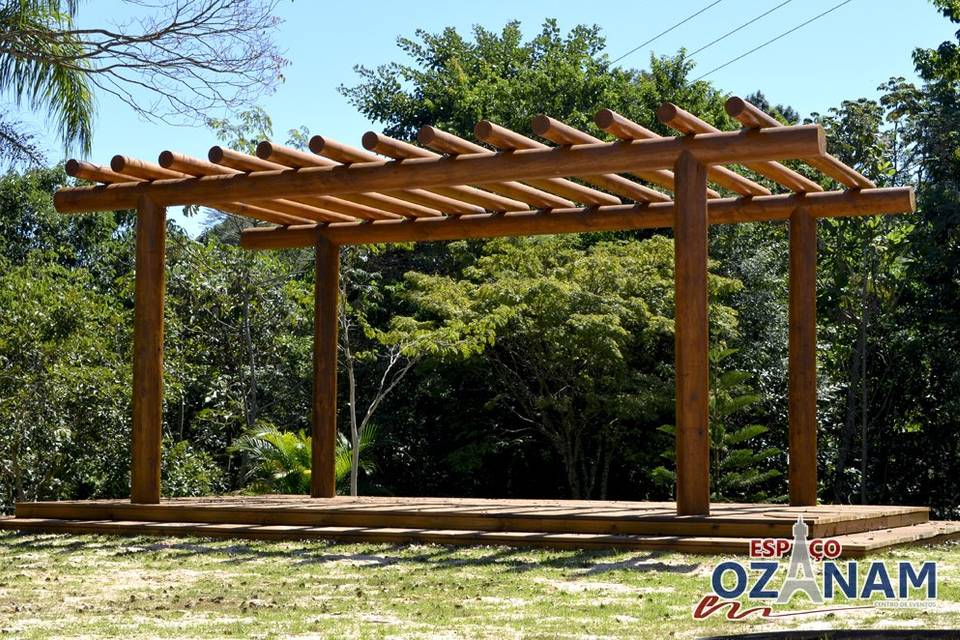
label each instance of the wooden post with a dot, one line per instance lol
(803, 358)
(323, 482)
(692, 337)
(148, 352)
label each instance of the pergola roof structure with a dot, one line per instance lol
(450, 188)
(453, 188)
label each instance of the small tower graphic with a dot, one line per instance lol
(800, 559)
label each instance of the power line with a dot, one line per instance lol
(745, 24)
(772, 40)
(663, 33)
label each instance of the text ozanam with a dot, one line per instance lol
(866, 584)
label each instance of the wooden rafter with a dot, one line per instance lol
(478, 168)
(399, 150)
(392, 180)
(689, 124)
(752, 117)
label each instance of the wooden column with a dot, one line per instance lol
(327, 286)
(692, 337)
(148, 352)
(803, 358)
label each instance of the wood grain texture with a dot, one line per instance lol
(568, 523)
(542, 188)
(753, 117)
(325, 347)
(578, 220)
(689, 124)
(149, 285)
(803, 358)
(95, 173)
(626, 129)
(691, 337)
(854, 546)
(477, 169)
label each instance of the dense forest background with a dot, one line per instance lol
(523, 367)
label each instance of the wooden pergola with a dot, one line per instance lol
(450, 188)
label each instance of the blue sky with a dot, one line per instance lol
(844, 55)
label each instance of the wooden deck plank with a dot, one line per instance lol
(854, 545)
(550, 516)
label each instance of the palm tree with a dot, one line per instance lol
(278, 461)
(51, 76)
(275, 461)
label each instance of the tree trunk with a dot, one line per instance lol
(864, 400)
(252, 406)
(351, 385)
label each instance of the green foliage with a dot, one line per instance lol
(245, 132)
(275, 461)
(343, 460)
(278, 461)
(186, 471)
(454, 82)
(53, 78)
(743, 464)
(579, 336)
(64, 385)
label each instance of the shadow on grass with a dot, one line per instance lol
(515, 559)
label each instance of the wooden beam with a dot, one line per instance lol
(752, 117)
(148, 352)
(676, 118)
(691, 337)
(626, 129)
(95, 173)
(803, 358)
(187, 165)
(384, 206)
(578, 220)
(143, 169)
(689, 124)
(563, 134)
(480, 168)
(560, 187)
(323, 483)
(88, 171)
(512, 191)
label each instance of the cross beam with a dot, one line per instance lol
(476, 168)
(612, 218)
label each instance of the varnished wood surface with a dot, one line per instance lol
(854, 545)
(692, 337)
(803, 359)
(580, 220)
(149, 287)
(323, 483)
(555, 516)
(480, 168)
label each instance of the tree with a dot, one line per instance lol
(280, 461)
(742, 465)
(43, 63)
(64, 390)
(383, 349)
(454, 82)
(18, 145)
(579, 336)
(175, 64)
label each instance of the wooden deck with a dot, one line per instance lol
(556, 523)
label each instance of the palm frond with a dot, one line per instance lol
(51, 77)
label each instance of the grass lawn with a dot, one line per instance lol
(93, 586)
